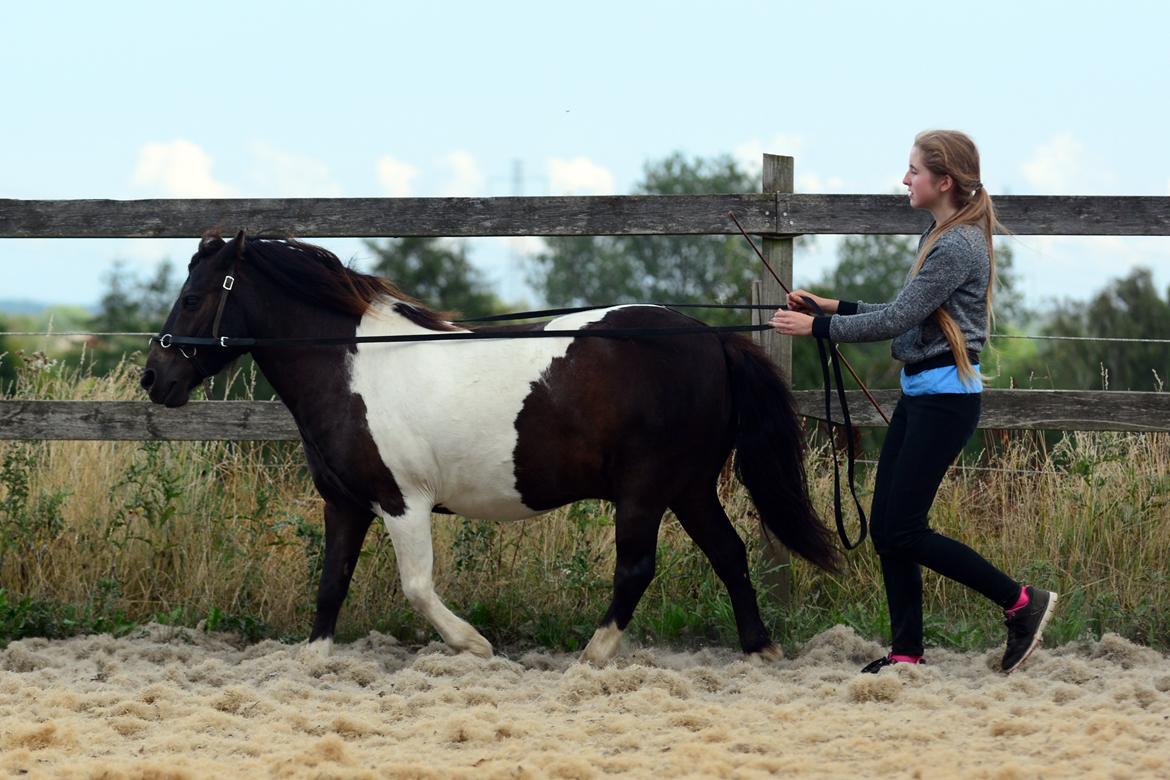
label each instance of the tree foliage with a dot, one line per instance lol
(7, 367)
(438, 273)
(1128, 307)
(131, 304)
(579, 270)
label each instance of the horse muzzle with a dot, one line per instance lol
(171, 393)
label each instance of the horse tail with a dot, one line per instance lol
(769, 453)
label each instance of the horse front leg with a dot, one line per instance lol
(410, 533)
(636, 526)
(345, 530)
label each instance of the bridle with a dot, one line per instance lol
(167, 340)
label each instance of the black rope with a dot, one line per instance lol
(850, 454)
(229, 342)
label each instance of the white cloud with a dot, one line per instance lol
(276, 173)
(465, 178)
(177, 169)
(395, 176)
(1065, 166)
(525, 245)
(813, 183)
(749, 154)
(579, 176)
(1056, 167)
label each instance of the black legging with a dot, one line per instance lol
(926, 433)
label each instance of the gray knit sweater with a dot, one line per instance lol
(954, 275)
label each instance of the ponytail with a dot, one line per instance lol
(951, 153)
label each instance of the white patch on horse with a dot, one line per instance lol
(443, 416)
(410, 534)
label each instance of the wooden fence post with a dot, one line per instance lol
(778, 177)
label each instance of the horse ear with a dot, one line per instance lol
(241, 239)
(210, 243)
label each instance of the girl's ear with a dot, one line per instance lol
(945, 183)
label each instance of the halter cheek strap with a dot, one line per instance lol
(229, 282)
(167, 340)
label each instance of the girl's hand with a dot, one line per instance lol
(792, 323)
(796, 302)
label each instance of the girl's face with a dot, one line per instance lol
(926, 189)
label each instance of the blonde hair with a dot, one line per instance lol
(952, 153)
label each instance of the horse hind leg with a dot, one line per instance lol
(636, 536)
(702, 517)
(413, 547)
(345, 530)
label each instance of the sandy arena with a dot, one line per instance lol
(174, 703)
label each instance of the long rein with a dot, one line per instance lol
(168, 340)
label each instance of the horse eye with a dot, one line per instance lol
(190, 301)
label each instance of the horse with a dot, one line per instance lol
(497, 428)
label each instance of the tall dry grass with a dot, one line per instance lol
(98, 535)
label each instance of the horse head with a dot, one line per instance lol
(202, 310)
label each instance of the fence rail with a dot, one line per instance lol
(765, 214)
(1115, 410)
(778, 214)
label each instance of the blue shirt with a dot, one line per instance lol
(943, 379)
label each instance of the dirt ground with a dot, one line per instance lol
(175, 703)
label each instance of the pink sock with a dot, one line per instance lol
(905, 659)
(1021, 602)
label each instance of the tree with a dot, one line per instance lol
(131, 305)
(439, 274)
(581, 270)
(7, 368)
(1129, 307)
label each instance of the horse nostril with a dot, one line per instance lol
(147, 380)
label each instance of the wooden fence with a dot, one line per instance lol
(777, 214)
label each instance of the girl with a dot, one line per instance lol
(938, 324)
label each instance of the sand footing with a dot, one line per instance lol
(166, 702)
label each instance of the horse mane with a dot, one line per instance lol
(315, 275)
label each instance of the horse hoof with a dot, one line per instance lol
(602, 646)
(479, 647)
(317, 649)
(768, 654)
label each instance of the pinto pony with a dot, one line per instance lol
(498, 428)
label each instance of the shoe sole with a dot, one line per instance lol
(1048, 610)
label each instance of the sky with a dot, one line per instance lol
(289, 99)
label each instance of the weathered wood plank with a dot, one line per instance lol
(142, 421)
(373, 217)
(779, 177)
(774, 214)
(1022, 214)
(1113, 410)
(1066, 410)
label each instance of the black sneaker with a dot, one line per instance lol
(873, 667)
(1026, 626)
